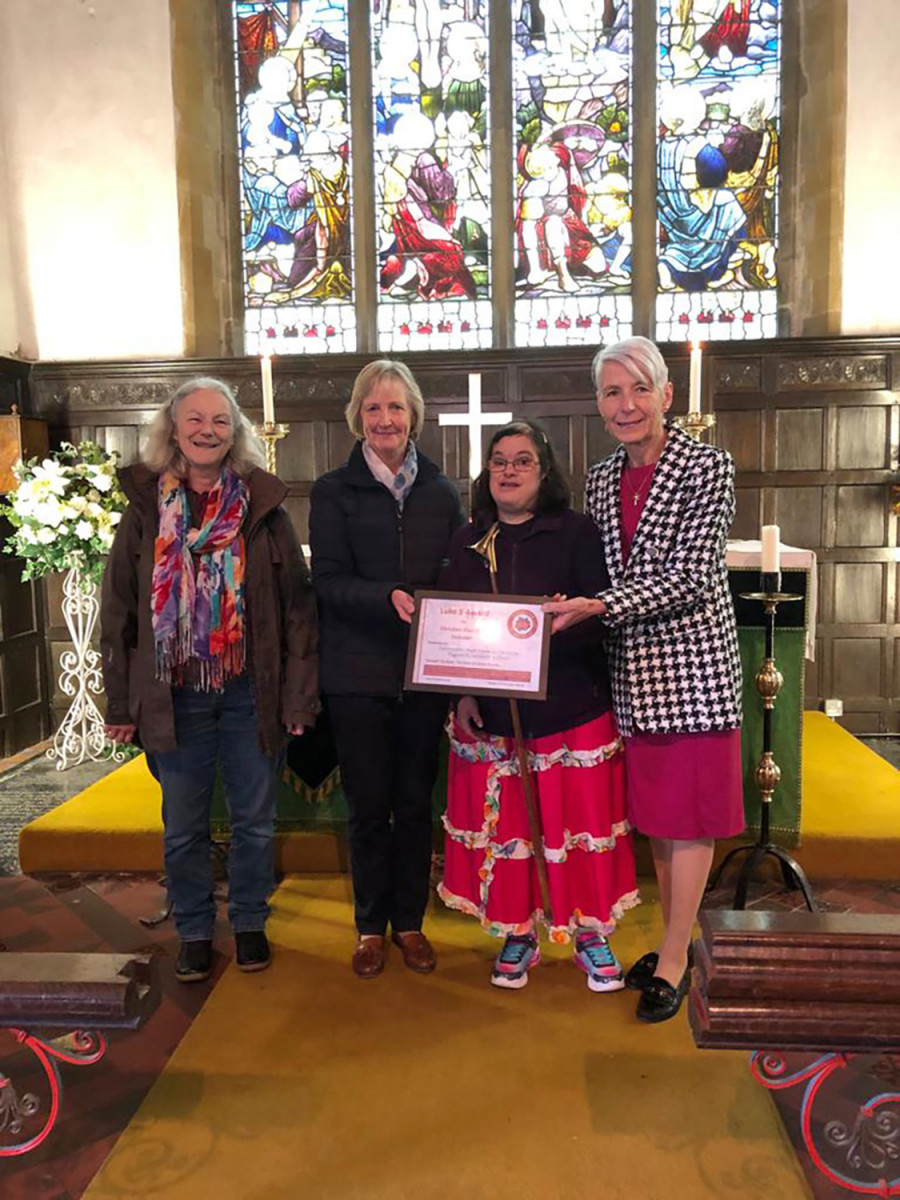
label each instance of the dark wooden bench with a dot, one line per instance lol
(797, 981)
(70, 999)
(827, 986)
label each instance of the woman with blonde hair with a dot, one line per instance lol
(209, 653)
(379, 528)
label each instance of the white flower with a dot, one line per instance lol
(105, 538)
(69, 511)
(103, 483)
(48, 512)
(94, 511)
(93, 496)
(84, 530)
(115, 517)
(46, 535)
(63, 530)
(78, 503)
(28, 535)
(53, 474)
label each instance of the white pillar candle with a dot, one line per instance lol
(475, 425)
(771, 555)
(696, 374)
(268, 392)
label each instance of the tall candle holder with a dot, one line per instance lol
(271, 433)
(695, 423)
(769, 681)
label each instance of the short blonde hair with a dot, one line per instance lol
(161, 452)
(639, 356)
(368, 380)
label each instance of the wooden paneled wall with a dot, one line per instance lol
(813, 426)
(24, 684)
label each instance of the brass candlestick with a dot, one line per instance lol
(769, 681)
(272, 433)
(695, 423)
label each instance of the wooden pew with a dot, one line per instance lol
(828, 986)
(55, 1006)
(796, 981)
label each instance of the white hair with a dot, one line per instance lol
(639, 356)
(162, 452)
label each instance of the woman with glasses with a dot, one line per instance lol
(574, 750)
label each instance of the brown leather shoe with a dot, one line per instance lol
(417, 952)
(368, 957)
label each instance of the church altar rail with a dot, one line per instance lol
(65, 991)
(815, 996)
(68, 998)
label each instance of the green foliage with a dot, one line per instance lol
(65, 511)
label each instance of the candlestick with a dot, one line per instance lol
(696, 376)
(268, 392)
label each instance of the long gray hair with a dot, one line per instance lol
(161, 452)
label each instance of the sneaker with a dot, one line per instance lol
(194, 962)
(512, 964)
(252, 950)
(595, 957)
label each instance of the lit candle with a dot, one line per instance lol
(268, 392)
(771, 560)
(696, 372)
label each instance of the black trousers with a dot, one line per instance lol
(388, 754)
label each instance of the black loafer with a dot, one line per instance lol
(645, 968)
(252, 950)
(660, 1001)
(642, 972)
(194, 962)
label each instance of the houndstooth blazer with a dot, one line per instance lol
(673, 646)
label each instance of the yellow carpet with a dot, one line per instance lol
(304, 1081)
(850, 825)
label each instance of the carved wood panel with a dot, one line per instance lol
(813, 426)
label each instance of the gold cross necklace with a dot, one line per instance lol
(636, 492)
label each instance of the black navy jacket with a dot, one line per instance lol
(363, 548)
(550, 553)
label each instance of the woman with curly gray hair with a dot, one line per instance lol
(209, 653)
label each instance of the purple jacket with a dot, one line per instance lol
(548, 554)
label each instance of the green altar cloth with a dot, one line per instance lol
(787, 718)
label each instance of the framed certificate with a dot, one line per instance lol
(477, 644)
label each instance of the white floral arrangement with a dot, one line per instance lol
(65, 511)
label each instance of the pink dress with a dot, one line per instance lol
(683, 786)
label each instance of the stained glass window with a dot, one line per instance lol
(432, 174)
(573, 206)
(718, 109)
(293, 111)
(572, 179)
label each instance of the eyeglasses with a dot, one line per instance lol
(520, 464)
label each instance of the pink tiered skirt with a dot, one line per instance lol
(579, 780)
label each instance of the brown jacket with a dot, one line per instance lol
(282, 651)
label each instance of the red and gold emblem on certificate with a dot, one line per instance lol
(522, 623)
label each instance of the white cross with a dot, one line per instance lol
(475, 420)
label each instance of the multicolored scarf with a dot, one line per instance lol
(197, 594)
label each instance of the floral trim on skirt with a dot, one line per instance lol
(579, 781)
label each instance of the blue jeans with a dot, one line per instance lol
(217, 730)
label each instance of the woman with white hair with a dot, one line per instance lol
(209, 653)
(380, 527)
(664, 504)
